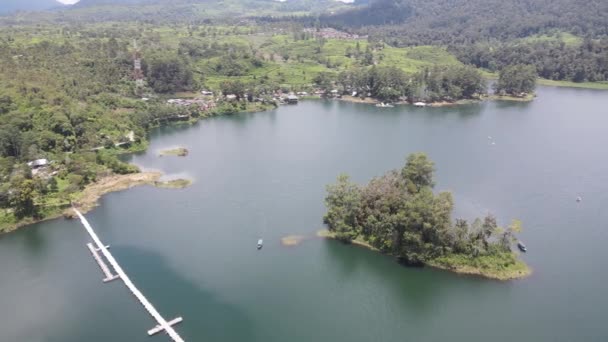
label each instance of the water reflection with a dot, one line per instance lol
(36, 242)
(512, 104)
(206, 316)
(415, 290)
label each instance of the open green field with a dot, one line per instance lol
(287, 61)
(565, 37)
(587, 85)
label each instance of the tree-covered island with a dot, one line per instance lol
(398, 214)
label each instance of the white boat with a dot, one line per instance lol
(522, 247)
(260, 243)
(420, 104)
(384, 105)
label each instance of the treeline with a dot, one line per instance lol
(554, 60)
(399, 214)
(439, 83)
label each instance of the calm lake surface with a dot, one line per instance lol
(192, 251)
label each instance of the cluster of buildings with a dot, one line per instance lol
(207, 102)
(202, 104)
(41, 168)
(331, 33)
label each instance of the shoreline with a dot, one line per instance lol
(570, 84)
(526, 98)
(88, 199)
(491, 97)
(473, 271)
(601, 85)
(521, 270)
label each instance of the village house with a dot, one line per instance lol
(292, 99)
(39, 167)
(38, 163)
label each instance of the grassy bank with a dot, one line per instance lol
(173, 184)
(178, 152)
(326, 234)
(504, 266)
(494, 97)
(542, 81)
(585, 85)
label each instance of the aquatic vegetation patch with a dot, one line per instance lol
(178, 152)
(292, 240)
(173, 184)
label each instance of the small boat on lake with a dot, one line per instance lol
(260, 243)
(384, 105)
(521, 246)
(579, 198)
(420, 104)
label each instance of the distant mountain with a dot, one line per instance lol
(197, 10)
(8, 6)
(88, 3)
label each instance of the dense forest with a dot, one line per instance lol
(586, 61)
(399, 214)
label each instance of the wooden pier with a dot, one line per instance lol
(162, 324)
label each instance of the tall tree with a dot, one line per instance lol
(23, 199)
(517, 79)
(233, 88)
(418, 172)
(343, 201)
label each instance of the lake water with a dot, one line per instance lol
(193, 251)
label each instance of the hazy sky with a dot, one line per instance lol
(75, 1)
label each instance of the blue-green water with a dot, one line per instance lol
(192, 251)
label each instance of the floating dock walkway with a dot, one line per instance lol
(162, 324)
(102, 265)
